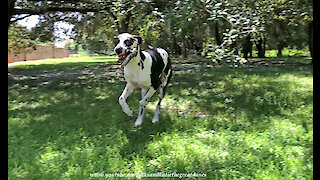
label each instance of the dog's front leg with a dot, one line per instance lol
(122, 99)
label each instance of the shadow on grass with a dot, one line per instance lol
(250, 94)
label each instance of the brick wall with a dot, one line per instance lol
(38, 52)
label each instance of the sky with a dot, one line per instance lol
(29, 22)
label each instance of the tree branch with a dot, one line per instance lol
(51, 9)
(17, 19)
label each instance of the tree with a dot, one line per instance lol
(287, 23)
(310, 38)
(239, 21)
(18, 8)
(220, 29)
(18, 38)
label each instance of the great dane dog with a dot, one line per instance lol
(149, 70)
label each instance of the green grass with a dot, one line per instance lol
(63, 63)
(64, 122)
(286, 52)
(289, 52)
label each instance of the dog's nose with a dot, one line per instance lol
(118, 50)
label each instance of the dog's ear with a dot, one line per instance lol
(139, 39)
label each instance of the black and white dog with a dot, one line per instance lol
(149, 70)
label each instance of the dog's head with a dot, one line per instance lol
(127, 47)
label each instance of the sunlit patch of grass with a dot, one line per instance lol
(59, 63)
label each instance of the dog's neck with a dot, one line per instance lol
(136, 55)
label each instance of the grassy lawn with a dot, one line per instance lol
(63, 63)
(64, 122)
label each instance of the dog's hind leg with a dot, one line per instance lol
(163, 86)
(122, 99)
(145, 100)
(141, 109)
(157, 113)
(162, 91)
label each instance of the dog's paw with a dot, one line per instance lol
(129, 113)
(138, 122)
(155, 119)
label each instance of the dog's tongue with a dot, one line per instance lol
(122, 57)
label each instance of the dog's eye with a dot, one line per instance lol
(128, 42)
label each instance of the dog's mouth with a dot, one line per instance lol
(124, 58)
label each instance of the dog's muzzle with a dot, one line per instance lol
(126, 56)
(122, 57)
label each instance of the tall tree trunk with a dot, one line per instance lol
(247, 47)
(184, 47)
(124, 24)
(261, 46)
(311, 40)
(250, 51)
(10, 10)
(235, 45)
(280, 51)
(176, 47)
(217, 35)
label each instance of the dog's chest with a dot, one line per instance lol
(138, 74)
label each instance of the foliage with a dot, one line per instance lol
(72, 46)
(18, 38)
(248, 123)
(222, 30)
(44, 30)
(287, 23)
(242, 20)
(279, 20)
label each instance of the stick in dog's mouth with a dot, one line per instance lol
(125, 58)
